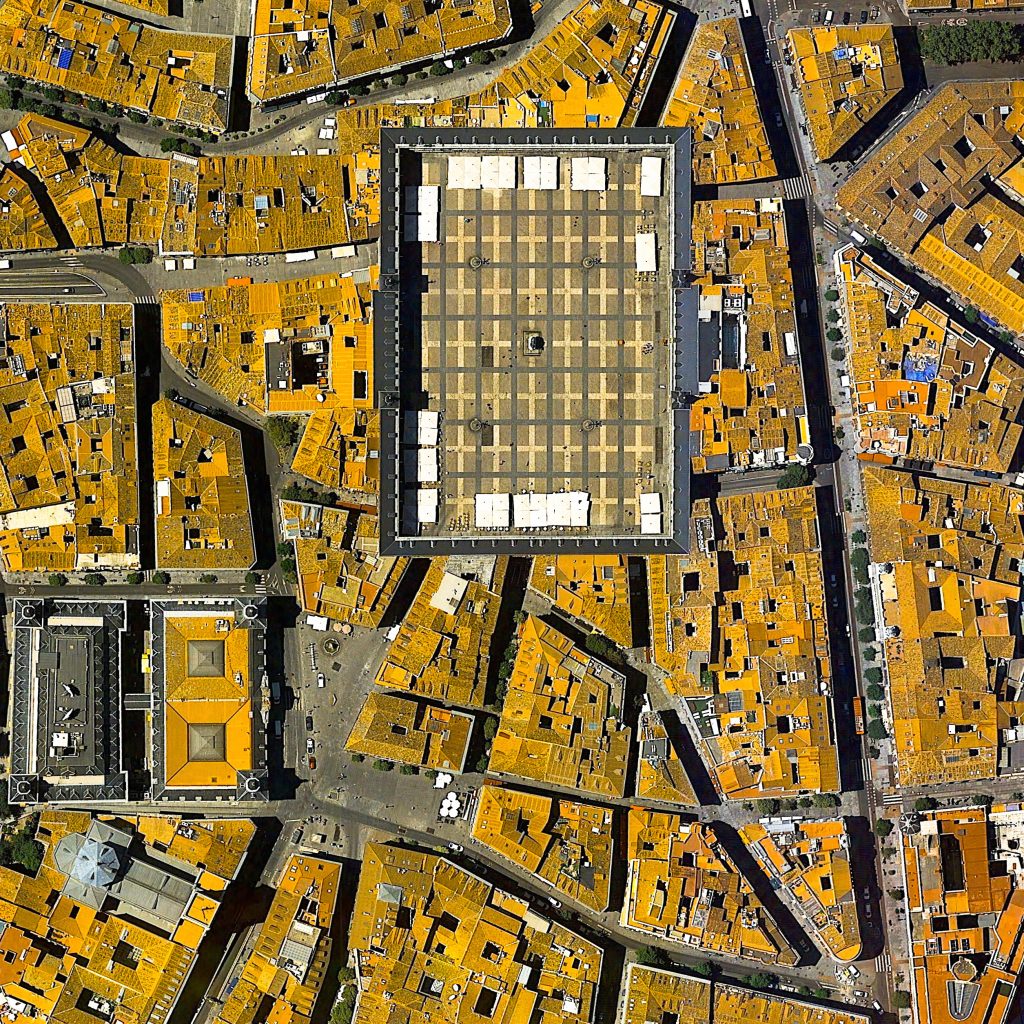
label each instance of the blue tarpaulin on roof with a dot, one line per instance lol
(920, 368)
(195, 296)
(64, 59)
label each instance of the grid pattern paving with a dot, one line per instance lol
(584, 413)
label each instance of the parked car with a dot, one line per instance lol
(297, 835)
(863, 17)
(312, 763)
(553, 901)
(816, 17)
(829, 15)
(310, 745)
(309, 723)
(321, 682)
(455, 848)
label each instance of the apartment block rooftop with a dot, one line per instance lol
(452, 946)
(66, 740)
(558, 420)
(206, 664)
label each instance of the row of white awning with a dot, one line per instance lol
(422, 213)
(533, 510)
(420, 461)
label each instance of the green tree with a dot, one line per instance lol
(161, 578)
(883, 828)
(834, 334)
(283, 431)
(289, 570)
(703, 968)
(58, 579)
(480, 57)
(252, 578)
(875, 692)
(838, 353)
(831, 295)
(925, 803)
(832, 316)
(95, 579)
(767, 806)
(651, 956)
(976, 41)
(877, 729)
(761, 980)
(794, 475)
(383, 765)
(825, 800)
(134, 578)
(873, 675)
(898, 895)
(901, 1000)
(865, 636)
(859, 537)
(208, 577)
(490, 728)
(408, 769)
(358, 90)
(400, 78)
(438, 69)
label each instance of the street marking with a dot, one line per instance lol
(797, 188)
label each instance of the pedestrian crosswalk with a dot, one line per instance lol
(261, 588)
(147, 299)
(892, 799)
(797, 188)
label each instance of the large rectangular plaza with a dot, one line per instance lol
(533, 342)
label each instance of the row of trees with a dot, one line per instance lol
(977, 40)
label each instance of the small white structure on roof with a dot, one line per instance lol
(647, 252)
(498, 171)
(589, 174)
(422, 212)
(464, 171)
(426, 465)
(537, 511)
(540, 173)
(449, 594)
(492, 511)
(650, 175)
(427, 421)
(426, 505)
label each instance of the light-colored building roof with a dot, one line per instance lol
(936, 192)
(751, 411)
(203, 518)
(342, 574)
(946, 574)
(966, 913)
(560, 717)
(594, 588)
(443, 647)
(313, 44)
(748, 652)
(302, 345)
(654, 995)
(714, 95)
(72, 951)
(811, 861)
(283, 973)
(23, 226)
(450, 947)
(926, 389)
(411, 732)
(566, 843)
(176, 76)
(682, 885)
(68, 456)
(846, 75)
